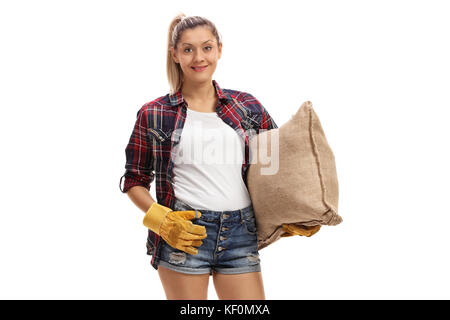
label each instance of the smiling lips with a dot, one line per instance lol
(199, 68)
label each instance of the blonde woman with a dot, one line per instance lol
(202, 223)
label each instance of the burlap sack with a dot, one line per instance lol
(303, 190)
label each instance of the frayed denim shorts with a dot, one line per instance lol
(230, 247)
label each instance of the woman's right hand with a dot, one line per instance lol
(175, 227)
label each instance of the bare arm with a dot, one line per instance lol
(140, 197)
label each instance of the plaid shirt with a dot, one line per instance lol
(157, 131)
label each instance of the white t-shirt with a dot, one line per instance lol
(208, 163)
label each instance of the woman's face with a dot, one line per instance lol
(197, 48)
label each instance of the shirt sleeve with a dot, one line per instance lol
(139, 169)
(267, 121)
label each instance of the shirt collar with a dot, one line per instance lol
(177, 97)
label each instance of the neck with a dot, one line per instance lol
(198, 91)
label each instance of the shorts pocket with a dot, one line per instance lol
(249, 222)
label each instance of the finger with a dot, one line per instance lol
(197, 229)
(188, 214)
(196, 243)
(190, 236)
(287, 231)
(287, 235)
(191, 243)
(306, 231)
(190, 250)
(315, 229)
(186, 243)
(183, 243)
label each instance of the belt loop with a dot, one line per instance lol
(242, 216)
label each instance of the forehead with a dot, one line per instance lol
(197, 35)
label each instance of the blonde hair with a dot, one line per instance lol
(179, 24)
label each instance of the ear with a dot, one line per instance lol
(220, 50)
(174, 57)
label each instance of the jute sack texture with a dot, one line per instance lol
(303, 191)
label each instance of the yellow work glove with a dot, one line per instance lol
(175, 227)
(293, 230)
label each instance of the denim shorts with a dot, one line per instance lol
(230, 247)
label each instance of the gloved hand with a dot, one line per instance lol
(293, 230)
(175, 227)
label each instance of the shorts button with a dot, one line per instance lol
(225, 215)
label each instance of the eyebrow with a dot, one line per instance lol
(191, 43)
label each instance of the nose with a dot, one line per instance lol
(198, 57)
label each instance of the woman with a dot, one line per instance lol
(203, 221)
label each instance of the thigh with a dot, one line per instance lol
(181, 286)
(242, 286)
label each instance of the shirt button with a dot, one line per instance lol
(224, 228)
(222, 238)
(220, 248)
(226, 216)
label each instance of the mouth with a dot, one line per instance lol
(199, 68)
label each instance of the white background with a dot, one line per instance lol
(73, 75)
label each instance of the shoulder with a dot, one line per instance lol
(159, 103)
(245, 99)
(155, 106)
(255, 111)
